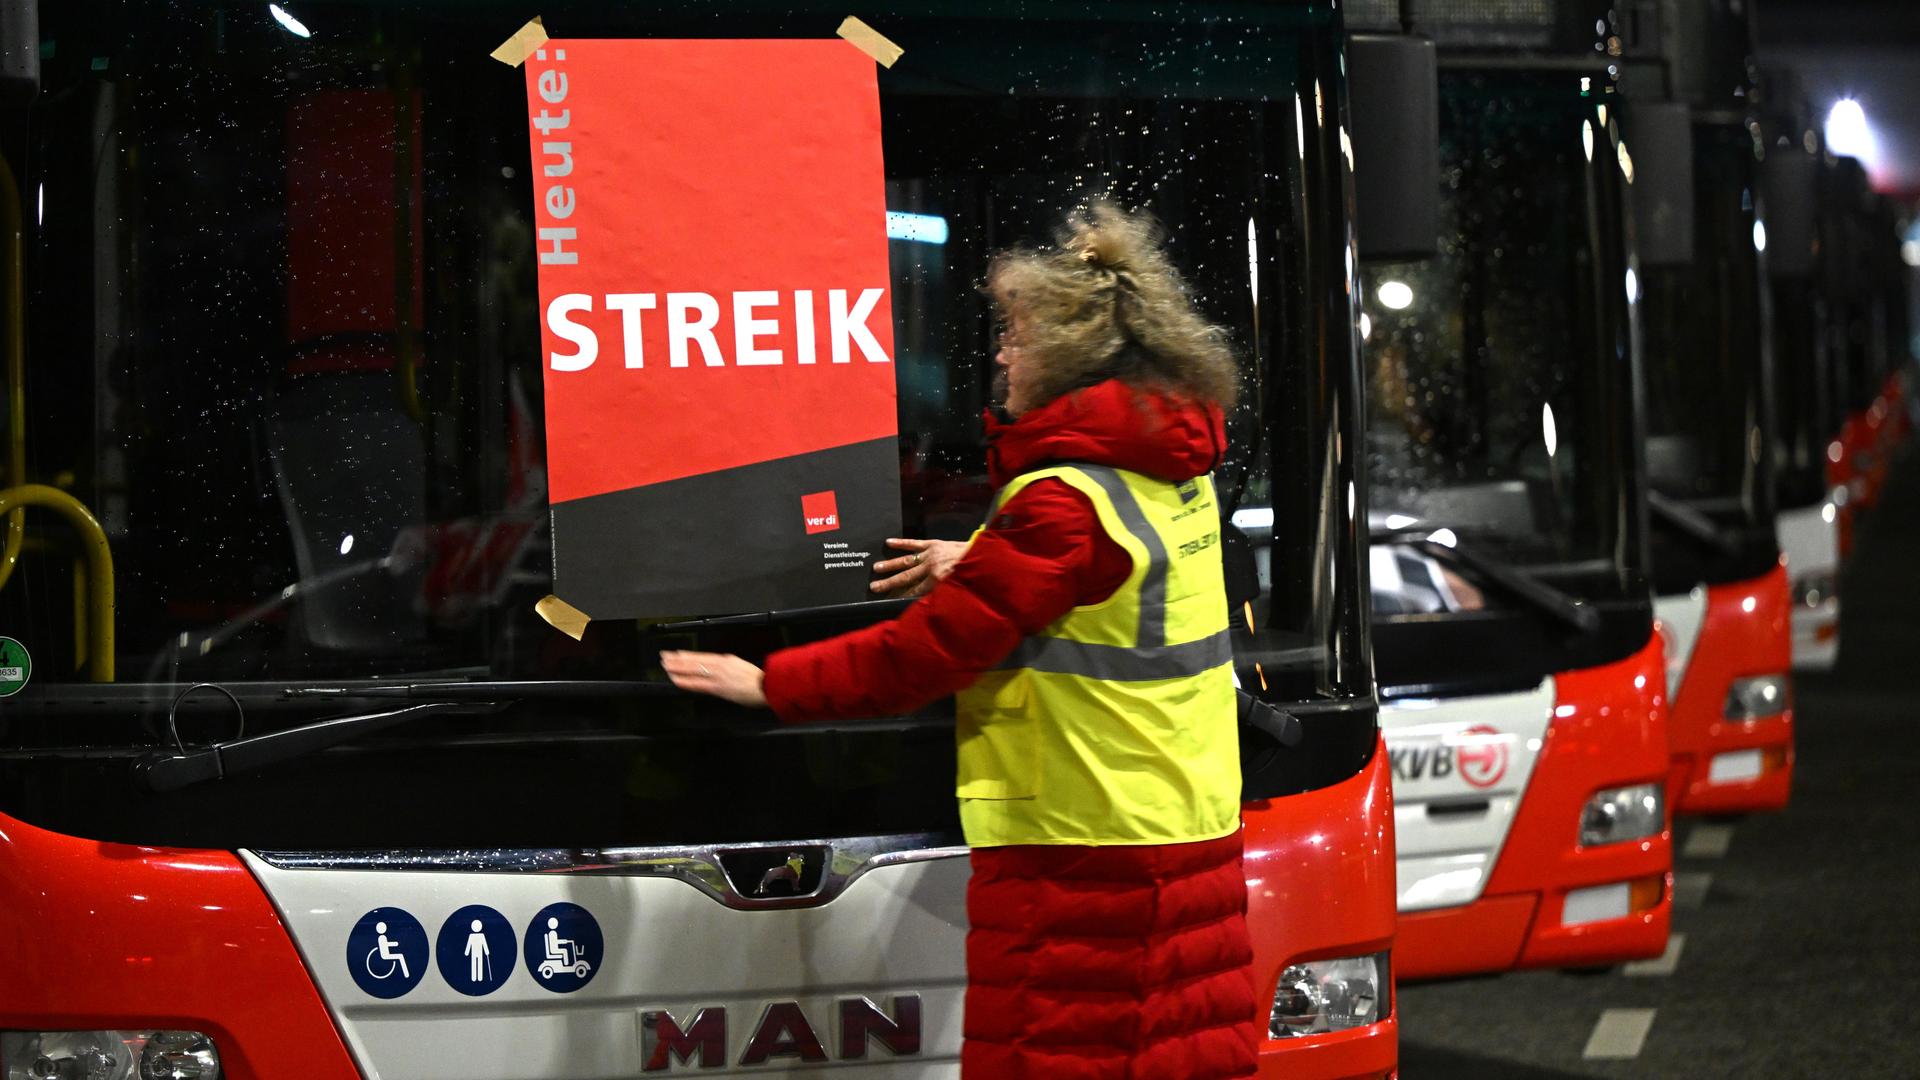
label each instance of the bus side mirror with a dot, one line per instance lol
(1787, 197)
(1660, 138)
(1393, 106)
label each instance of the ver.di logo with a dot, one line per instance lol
(1482, 755)
(16, 667)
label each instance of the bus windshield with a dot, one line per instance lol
(1709, 378)
(284, 343)
(1501, 402)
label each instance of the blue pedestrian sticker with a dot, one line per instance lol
(563, 947)
(387, 952)
(475, 950)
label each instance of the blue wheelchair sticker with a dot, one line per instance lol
(563, 947)
(387, 952)
(475, 950)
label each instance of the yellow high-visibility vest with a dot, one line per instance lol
(1115, 724)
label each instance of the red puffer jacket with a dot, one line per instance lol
(1109, 962)
(1042, 555)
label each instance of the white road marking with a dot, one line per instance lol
(1662, 964)
(1619, 1035)
(1690, 890)
(1707, 842)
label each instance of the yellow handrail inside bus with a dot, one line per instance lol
(13, 236)
(99, 566)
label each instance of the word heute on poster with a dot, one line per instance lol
(717, 331)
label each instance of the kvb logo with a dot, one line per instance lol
(821, 512)
(1481, 755)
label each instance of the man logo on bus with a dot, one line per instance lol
(1481, 755)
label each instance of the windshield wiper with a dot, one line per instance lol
(186, 768)
(1694, 524)
(876, 608)
(515, 689)
(1522, 586)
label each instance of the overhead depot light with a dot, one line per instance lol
(1397, 295)
(293, 26)
(1849, 134)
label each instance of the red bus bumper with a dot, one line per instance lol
(109, 936)
(1320, 886)
(1748, 631)
(1609, 730)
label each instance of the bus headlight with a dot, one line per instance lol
(1330, 995)
(108, 1055)
(1758, 697)
(1623, 813)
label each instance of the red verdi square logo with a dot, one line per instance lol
(820, 511)
(1482, 755)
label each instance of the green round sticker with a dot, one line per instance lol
(15, 667)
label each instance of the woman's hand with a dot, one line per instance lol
(721, 674)
(928, 563)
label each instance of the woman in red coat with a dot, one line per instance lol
(1084, 630)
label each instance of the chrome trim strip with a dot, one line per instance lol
(697, 865)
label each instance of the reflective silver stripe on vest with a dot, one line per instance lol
(1153, 587)
(1122, 663)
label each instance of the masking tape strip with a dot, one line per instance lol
(563, 616)
(870, 41)
(514, 51)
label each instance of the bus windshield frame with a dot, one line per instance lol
(1504, 418)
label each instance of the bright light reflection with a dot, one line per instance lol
(1759, 236)
(1747, 604)
(1400, 521)
(1397, 295)
(294, 26)
(1366, 327)
(1626, 161)
(1910, 252)
(1300, 127)
(1547, 430)
(346, 544)
(1586, 138)
(1443, 537)
(917, 228)
(1633, 286)
(1827, 514)
(1253, 261)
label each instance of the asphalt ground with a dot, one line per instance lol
(1795, 945)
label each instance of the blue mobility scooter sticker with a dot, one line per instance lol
(563, 947)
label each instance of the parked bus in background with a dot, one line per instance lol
(1523, 696)
(1858, 246)
(300, 786)
(1696, 150)
(1806, 399)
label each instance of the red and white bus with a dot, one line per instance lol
(1717, 568)
(1522, 697)
(298, 784)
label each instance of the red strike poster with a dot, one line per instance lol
(717, 330)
